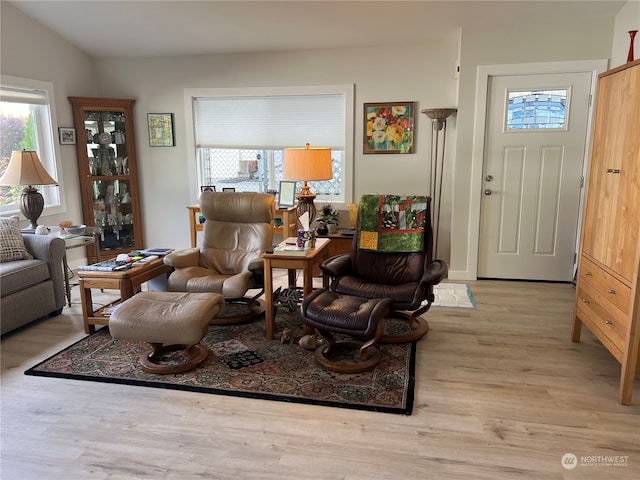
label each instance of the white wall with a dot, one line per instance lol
(421, 73)
(516, 45)
(45, 56)
(627, 19)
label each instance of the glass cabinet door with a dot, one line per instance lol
(112, 214)
(106, 143)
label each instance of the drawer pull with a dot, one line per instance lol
(612, 170)
(611, 291)
(588, 274)
(585, 300)
(608, 322)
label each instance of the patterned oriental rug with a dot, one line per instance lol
(244, 363)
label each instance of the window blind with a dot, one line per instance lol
(275, 122)
(19, 95)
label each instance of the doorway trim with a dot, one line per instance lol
(595, 67)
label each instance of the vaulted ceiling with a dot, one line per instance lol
(146, 28)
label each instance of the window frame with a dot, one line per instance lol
(190, 94)
(48, 148)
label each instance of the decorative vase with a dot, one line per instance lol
(332, 227)
(321, 229)
(632, 35)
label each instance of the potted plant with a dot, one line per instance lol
(328, 217)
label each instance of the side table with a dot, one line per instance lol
(74, 241)
(307, 262)
(126, 281)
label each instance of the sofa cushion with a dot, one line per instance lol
(11, 242)
(18, 275)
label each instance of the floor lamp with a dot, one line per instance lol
(25, 169)
(307, 164)
(438, 118)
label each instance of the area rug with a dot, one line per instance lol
(244, 363)
(453, 295)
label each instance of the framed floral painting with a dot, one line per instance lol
(388, 127)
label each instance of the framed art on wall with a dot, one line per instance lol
(161, 130)
(388, 127)
(67, 135)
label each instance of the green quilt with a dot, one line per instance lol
(392, 223)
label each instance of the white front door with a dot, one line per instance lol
(532, 176)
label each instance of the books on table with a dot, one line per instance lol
(157, 251)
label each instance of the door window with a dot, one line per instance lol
(536, 110)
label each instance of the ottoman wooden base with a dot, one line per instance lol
(168, 321)
(195, 356)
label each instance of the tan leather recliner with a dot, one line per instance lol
(236, 232)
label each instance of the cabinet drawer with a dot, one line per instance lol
(608, 320)
(614, 291)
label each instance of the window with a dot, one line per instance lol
(533, 110)
(239, 135)
(25, 124)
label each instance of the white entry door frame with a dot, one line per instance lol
(595, 67)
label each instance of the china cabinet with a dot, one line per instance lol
(105, 145)
(608, 294)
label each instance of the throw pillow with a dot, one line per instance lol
(11, 242)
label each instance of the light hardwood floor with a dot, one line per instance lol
(501, 393)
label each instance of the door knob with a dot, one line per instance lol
(487, 191)
(489, 178)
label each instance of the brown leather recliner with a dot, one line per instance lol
(407, 279)
(236, 232)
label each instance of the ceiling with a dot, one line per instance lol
(149, 28)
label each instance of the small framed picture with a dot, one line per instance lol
(67, 135)
(287, 196)
(228, 189)
(208, 188)
(161, 130)
(388, 127)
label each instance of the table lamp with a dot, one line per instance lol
(307, 164)
(25, 169)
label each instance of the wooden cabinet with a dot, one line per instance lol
(608, 297)
(105, 145)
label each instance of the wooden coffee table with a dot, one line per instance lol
(127, 282)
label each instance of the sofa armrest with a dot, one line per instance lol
(49, 249)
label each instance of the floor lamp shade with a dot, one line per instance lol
(307, 164)
(25, 169)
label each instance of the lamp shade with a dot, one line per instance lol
(25, 168)
(307, 164)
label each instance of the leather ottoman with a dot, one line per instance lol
(169, 321)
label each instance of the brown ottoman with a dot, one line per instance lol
(169, 321)
(330, 313)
